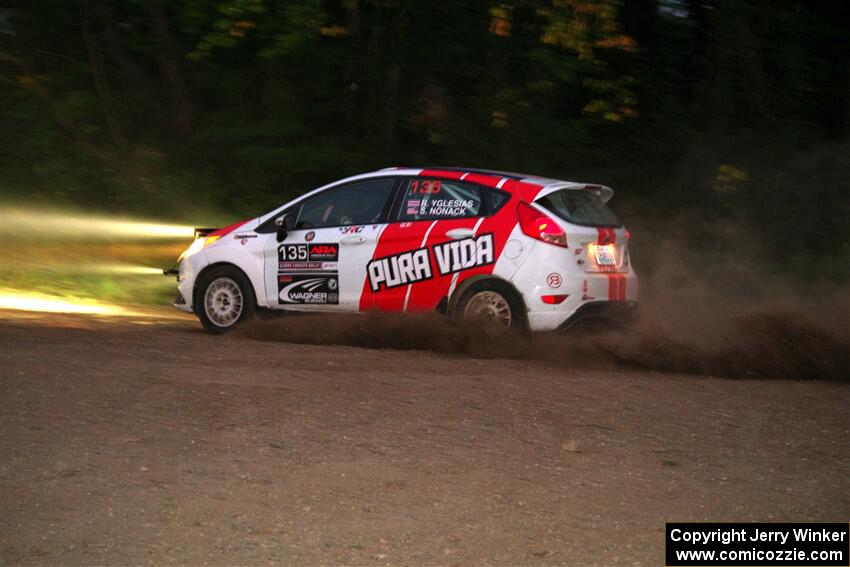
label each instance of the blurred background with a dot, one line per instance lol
(721, 125)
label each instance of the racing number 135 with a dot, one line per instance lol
(425, 186)
(293, 252)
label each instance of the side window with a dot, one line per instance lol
(495, 199)
(361, 203)
(434, 199)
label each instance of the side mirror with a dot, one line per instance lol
(284, 224)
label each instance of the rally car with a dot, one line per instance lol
(519, 250)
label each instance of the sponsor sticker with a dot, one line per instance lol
(310, 236)
(459, 255)
(401, 269)
(326, 252)
(415, 266)
(308, 289)
(307, 252)
(554, 280)
(243, 237)
(286, 266)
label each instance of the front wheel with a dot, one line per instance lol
(225, 299)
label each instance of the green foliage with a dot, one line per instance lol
(705, 111)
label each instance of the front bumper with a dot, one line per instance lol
(187, 271)
(181, 303)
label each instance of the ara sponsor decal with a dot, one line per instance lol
(325, 252)
(308, 289)
(459, 255)
(415, 266)
(307, 252)
(400, 269)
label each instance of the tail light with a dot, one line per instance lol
(540, 226)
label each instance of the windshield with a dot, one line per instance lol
(580, 207)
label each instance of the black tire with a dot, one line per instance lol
(224, 299)
(491, 300)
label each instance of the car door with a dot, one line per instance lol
(431, 240)
(321, 264)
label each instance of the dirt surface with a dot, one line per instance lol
(131, 443)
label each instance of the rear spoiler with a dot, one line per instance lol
(202, 232)
(601, 191)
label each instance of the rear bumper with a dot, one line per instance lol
(603, 314)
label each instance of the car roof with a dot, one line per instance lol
(545, 185)
(435, 169)
(548, 184)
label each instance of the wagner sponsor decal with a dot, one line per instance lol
(309, 289)
(415, 266)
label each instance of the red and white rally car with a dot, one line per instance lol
(525, 251)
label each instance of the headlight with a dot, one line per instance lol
(198, 245)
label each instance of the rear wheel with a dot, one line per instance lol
(224, 299)
(491, 302)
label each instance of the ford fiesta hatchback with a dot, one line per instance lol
(523, 251)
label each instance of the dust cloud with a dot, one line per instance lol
(687, 325)
(779, 343)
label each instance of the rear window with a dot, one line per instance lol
(580, 207)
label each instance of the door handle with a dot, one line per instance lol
(460, 233)
(351, 240)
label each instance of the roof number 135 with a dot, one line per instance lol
(424, 186)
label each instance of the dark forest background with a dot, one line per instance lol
(722, 125)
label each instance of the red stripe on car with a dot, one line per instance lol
(441, 173)
(425, 295)
(396, 238)
(228, 229)
(486, 180)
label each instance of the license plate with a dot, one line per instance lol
(605, 255)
